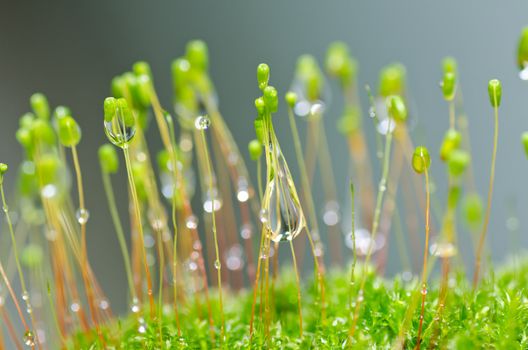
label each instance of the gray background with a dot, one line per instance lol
(70, 51)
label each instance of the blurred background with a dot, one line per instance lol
(71, 50)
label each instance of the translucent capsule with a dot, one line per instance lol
(284, 217)
(118, 132)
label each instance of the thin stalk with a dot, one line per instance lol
(482, 238)
(425, 254)
(25, 293)
(298, 288)
(382, 187)
(135, 202)
(354, 252)
(218, 264)
(107, 184)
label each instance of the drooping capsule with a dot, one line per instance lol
(421, 159)
(451, 142)
(119, 122)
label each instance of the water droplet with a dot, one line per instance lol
(193, 266)
(523, 73)
(49, 191)
(443, 249)
(217, 264)
(51, 234)
(284, 215)
(372, 112)
(82, 215)
(263, 216)
(317, 109)
(191, 222)
(407, 276)
(202, 122)
(5, 208)
(212, 201)
(117, 132)
(29, 338)
(331, 213)
(25, 296)
(75, 307)
(246, 231)
(242, 190)
(135, 306)
(385, 126)
(423, 290)
(104, 304)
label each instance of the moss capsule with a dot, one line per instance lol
(449, 86)
(263, 73)
(451, 142)
(392, 80)
(271, 99)
(69, 131)
(495, 92)
(197, 55)
(108, 159)
(291, 98)
(396, 108)
(524, 140)
(421, 160)
(39, 104)
(457, 162)
(255, 149)
(522, 49)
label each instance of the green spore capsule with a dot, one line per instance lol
(255, 149)
(396, 108)
(26, 121)
(522, 51)
(144, 90)
(69, 131)
(339, 64)
(39, 104)
(180, 73)
(118, 87)
(472, 209)
(60, 112)
(140, 172)
(449, 86)
(524, 140)
(450, 65)
(495, 92)
(48, 167)
(421, 160)
(291, 98)
(119, 122)
(142, 68)
(271, 99)
(392, 80)
(197, 55)
(350, 121)
(453, 196)
(32, 256)
(260, 105)
(108, 159)
(24, 136)
(43, 133)
(451, 142)
(457, 162)
(27, 181)
(309, 74)
(3, 169)
(263, 74)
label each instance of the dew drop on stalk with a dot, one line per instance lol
(29, 338)
(523, 73)
(135, 306)
(197, 245)
(49, 191)
(217, 264)
(104, 304)
(263, 216)
(385, 126)
(212, 201)
(242, 190)
(202, 122)
(82, 215)
(25, 296)
(117, 132)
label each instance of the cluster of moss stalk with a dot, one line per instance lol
(210, 276)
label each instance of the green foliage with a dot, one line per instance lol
(493, 317)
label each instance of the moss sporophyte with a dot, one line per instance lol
(206, 254)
